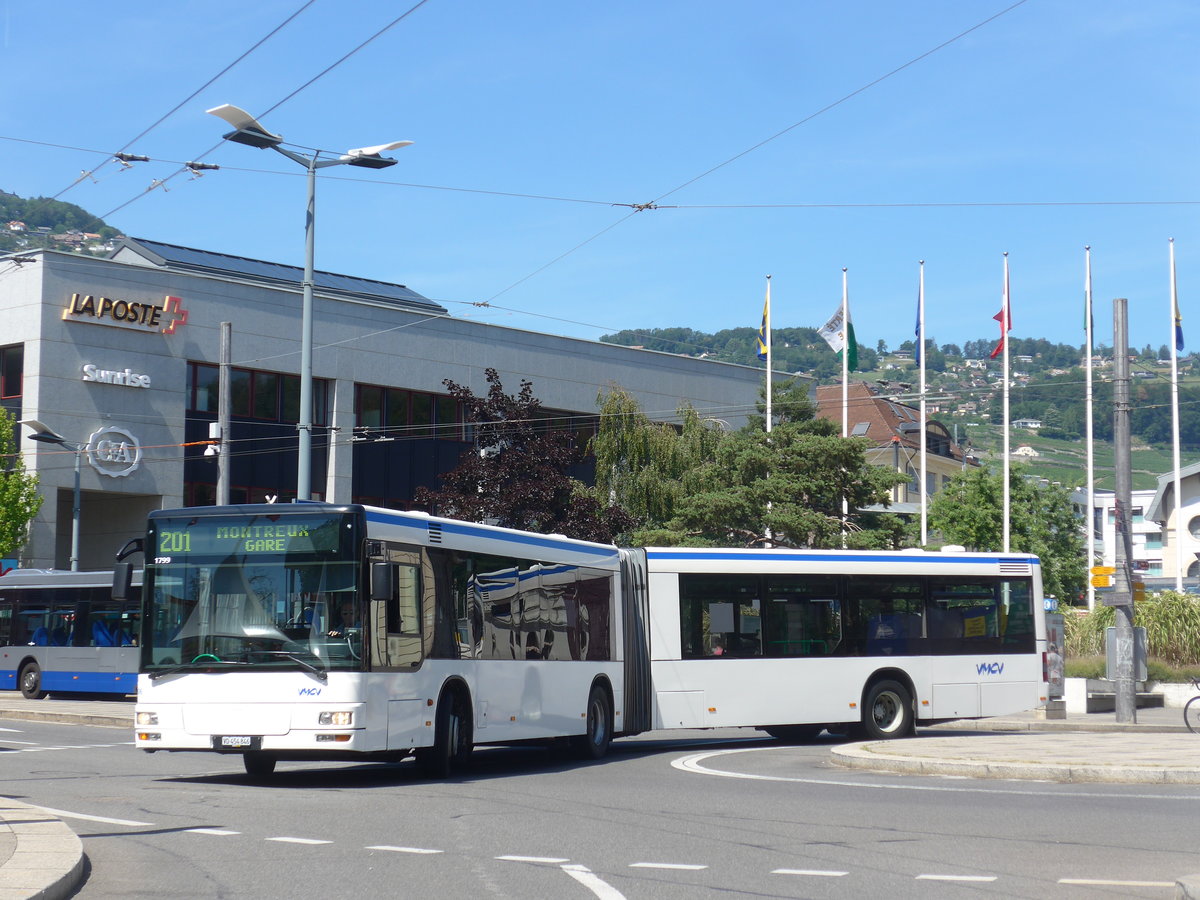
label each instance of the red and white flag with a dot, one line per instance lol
(1004, 317)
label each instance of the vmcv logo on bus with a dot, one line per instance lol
(310, 692)
(992, 668)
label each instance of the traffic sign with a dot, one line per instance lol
(1101, 581)
(1104, 570)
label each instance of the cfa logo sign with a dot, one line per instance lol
(127, 313)
(114, 452)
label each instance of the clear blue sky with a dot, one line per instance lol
(1061, 103)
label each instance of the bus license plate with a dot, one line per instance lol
(237, 742)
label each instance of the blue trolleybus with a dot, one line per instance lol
(63, 632)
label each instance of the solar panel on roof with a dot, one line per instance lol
(177, 257)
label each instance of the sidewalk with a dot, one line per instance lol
(1084, 747)
(40, 857)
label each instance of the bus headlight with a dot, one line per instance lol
(342, 719)
(147, 718)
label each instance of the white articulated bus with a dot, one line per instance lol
(797, 640)
(319, 631)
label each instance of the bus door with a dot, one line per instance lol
(398, 602)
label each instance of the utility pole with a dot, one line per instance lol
(1122, 595)
(224, 463)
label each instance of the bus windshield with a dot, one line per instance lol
(276, 591)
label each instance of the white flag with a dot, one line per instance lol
(834, 332)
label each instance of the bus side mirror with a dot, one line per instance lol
(383, 581)
(122, 580)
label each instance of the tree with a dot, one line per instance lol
(789, 403)
(643, 466)
(516, 474)
(969, 511)
(696, 484)
(19, 497)
(788, 484)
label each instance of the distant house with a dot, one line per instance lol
(16, 227)
(976, 363)
(1031, 424)
(1027, 452)
(903, 354)
(892, 431)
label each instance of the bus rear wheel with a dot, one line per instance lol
(887, 711)
(30, 680)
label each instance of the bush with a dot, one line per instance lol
(1158, 670)
(1085, 667)
(1172, 623)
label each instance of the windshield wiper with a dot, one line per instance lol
(303, 663)
(190, 666)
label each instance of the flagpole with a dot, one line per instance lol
(924, 441)
(1006, 317)
(845, 385)
(767, 329)
(1091, 445)
(1176, 340)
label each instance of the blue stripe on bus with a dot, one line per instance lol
(478, 531)
(90, 682)
(83, 682)
(802, 556)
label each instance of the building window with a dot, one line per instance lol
(1194, 527)
(268, 396)
(1154, 540)
(401, 413)
(12, 361)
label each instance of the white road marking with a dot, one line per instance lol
(692, 763)
(65, 814)
(956, 878)
(14, 730)
(11, 741)
(816, 872)
(296, 840)
(403, 849)
(1102, 882)
(219, 832)
(683, 867)
(593, 883)
(551, 860)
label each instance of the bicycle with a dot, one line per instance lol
(1191, 711)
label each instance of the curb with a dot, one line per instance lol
(68, 718)
(47, 863)
(866, 756)
(1187, 887)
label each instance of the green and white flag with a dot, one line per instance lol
(839, 336)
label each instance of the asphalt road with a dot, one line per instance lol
(681, 819)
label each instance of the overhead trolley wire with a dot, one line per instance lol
(187, 99)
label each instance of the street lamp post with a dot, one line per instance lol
(249, 131)
(42, 433)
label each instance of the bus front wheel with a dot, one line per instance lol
(888, 711)
(31, 681)
(453, 740)
(258, 764)
(593, 744)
